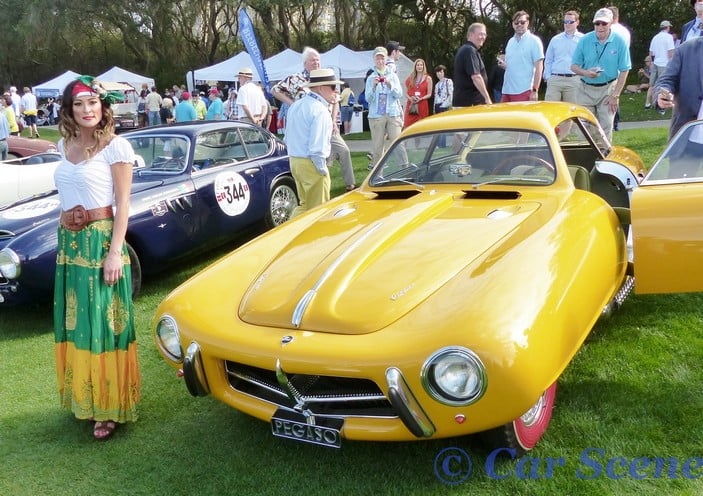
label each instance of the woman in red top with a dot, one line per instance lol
(419, 90)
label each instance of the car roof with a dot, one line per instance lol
(190, 127)
(538, 116)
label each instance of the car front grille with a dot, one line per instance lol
(322, 395)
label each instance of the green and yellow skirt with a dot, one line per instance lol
(96, 347)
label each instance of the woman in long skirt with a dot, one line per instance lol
(95, 341)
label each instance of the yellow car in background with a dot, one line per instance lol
(444, 297)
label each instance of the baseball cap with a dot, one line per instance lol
(185, 95)
(394, 45)
(213, 91)
(665, 24)
(380, 50)
(605, 15)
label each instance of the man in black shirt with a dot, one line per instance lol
(470, 79)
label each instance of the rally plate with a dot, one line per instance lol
(291, 425)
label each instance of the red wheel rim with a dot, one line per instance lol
(530, 426)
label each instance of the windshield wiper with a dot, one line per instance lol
(397, 180)
(540, 180)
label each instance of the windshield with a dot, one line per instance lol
(495, 156)
(160, 153)
(682, 160)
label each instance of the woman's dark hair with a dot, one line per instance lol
(69, 129)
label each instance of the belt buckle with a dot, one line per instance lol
(77, 218)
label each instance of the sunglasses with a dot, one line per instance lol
(568, 21)
(520, 22)
(600, 23)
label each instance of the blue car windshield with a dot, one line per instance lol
(485, 156)
(160, 153)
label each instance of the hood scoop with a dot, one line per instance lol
(491, 195)
(396, 194)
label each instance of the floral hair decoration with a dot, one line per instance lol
(88, 85)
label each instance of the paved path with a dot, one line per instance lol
(365, 145)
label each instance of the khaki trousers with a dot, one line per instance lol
(380, 127)
(313, 188)
(594, 98)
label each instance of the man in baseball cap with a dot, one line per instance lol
(185, 111)
(394, 49)
(661, 50)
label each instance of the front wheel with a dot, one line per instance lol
(282, 201)
(523, 433)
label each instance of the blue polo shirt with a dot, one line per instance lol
(612, 56)
(520, 58)
(185, 111)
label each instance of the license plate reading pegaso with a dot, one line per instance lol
(291, 425)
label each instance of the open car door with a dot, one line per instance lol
(667, 218)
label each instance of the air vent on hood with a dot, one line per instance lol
(492, 195)
(396, 194)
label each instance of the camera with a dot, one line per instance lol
(381, 79)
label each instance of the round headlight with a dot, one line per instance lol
(168, 338)
(9, 263)
(454, 376)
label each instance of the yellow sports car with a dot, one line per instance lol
(446, 295)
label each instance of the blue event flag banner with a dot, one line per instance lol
(248, 36)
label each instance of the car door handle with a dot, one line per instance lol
(252, 170)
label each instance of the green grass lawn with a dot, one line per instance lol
(634, 390)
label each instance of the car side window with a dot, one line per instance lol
(256, 142)
(218, 148)
(682, 160)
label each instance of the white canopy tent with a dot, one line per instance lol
(351, 66)
(223, 71)
(119, 75)
(278, 67)
(54, 87)
(283, 64)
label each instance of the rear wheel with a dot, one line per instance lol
(136, 271)
(282, 201)
(523, 433)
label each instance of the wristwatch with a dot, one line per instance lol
(536, 90)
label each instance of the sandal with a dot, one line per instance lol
(103, 430)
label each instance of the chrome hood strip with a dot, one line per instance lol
(310, 294)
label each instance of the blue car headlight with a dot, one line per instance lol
(9, 264)
(454, 376)
(169, 339)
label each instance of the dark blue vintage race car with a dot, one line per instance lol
(195, 186)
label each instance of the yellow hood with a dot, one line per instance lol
(351, 273)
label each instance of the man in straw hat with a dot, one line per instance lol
(250, 99)
(308, 135)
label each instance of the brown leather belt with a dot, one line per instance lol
(77, 217)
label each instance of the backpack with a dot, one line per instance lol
(141, 108)
(351, 101)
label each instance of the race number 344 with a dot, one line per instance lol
(232, 193)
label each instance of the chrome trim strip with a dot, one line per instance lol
(307, 399)
(396, 381)
(309, 295)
